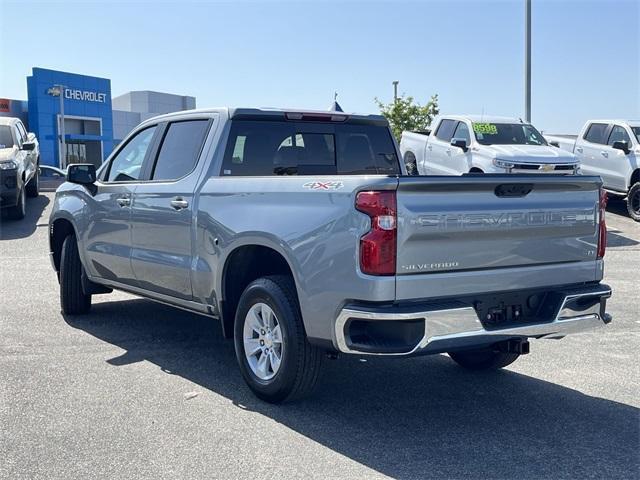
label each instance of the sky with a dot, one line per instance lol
(585, 53)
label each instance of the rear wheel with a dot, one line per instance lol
(483, 359)
(410, 163)
(18, 211)
(633, 201)
(73, 300)
(33, 187)
(275, 358)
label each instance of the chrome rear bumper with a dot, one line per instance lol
(447, 329)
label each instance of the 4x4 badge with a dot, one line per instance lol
(323, 185)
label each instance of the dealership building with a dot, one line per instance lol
(94, 122)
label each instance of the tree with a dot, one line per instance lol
(405, 114)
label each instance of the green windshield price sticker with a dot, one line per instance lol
(487, 128)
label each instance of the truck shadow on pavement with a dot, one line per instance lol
(406, 418)
(15, 229)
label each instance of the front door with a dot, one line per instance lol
(162, 211)
(108, 233)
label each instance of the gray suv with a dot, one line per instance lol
(300, 232)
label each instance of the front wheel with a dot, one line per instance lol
(33, 187)
(18, 211)
(483, 359)
(73, 300)
(633, 201)
(275, 358)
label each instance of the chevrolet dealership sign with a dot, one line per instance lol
(85, 95)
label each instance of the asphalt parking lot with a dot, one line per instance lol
(141, 390)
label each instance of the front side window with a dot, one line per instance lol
(6, 139)
(596, 132)
(126, 166)
(507, 134)
(264, 148)
(462, 131)
(636, 132)
(445, 130)
(618, 134)
(180, 149)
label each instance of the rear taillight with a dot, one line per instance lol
(602, 230)
(378, 246)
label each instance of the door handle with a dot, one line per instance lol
(605, 154)
(124, 201)
(579, 149)
(179, 203)
(430, 147)
(448, 151)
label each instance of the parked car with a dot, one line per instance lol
(19, 159)
(481, 144)
(50, 177)
(301, 232)
(610, 149)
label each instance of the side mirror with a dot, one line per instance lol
(624, 146)
(460, 143)
(81, 173)
(555, 144)
(29, 146)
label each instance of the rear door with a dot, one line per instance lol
(494, 221)
(589, 149)
(162, 209)
(439, 149)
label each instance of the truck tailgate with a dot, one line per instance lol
(482, 222)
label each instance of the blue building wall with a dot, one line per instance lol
(84, 97)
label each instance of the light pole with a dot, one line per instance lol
(527, 61)
(58, 91)
(395, 91)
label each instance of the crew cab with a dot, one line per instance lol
(19, 160)
(481, 144)
(301, 232)
(610, 149)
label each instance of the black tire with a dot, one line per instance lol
(410, 164)
(483, 359)
(300, 362)
(18, 211)
(73, 300)
(633, 201)
(33, 187)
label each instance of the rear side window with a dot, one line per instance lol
(445, 130)
(265, 148)
(596, 132)
(180, 149)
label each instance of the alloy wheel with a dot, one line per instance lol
(263, 341)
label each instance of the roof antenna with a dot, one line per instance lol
(335, 106)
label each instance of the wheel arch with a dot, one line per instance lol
(635, 177)
(244, 264)
(59, 229)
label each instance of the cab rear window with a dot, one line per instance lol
(267, 148)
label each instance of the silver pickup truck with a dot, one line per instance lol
(301, 232)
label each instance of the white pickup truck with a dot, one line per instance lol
(481, 144)
(610, 149)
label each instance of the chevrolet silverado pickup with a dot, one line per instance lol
(19, 160)
(610, 149)
(481, 144)
(301, 232)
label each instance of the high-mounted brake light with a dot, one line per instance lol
(378, 246)
(602, 230)
(316, 117)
